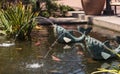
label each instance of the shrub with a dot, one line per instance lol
(18, 21)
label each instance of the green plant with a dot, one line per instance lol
(64, 9)
(111, 71)
(18, 21)
(45, 14)
(48, 8)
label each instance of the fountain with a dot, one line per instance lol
(97, 49)
(67, 53)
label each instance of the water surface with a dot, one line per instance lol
(32, 58)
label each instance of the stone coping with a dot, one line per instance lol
(62, 20)
(109, 22)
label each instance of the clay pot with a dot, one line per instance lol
(93, 7)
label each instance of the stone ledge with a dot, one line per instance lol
(69, 20)
(110, 22)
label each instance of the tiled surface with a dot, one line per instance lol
(112, 22)
(78, 6)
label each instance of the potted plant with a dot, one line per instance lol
(93, 7)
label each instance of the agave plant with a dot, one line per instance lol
(18, 21)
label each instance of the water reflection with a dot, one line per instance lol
(7, 44)
(34, 65)
(25, 58)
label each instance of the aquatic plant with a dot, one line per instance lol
(111, 71)
(17, 21)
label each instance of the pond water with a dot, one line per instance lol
(38, 57)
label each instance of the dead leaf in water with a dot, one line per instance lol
(80, 53)
(55, 72)
(37, 43)
(55, 58)
(40, 57)
(19, 49)
(38, 27)
(90, 60)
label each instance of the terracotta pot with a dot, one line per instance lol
(93, 7)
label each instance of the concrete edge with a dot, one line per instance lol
(94, 20)
(70, 20)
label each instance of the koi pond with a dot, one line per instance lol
(44, 55)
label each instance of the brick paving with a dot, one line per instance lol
(111, 22)
(76, 4)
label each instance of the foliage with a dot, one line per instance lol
(49, 8)
(112, 71)
(19, 20)
(46, 8)
(63, 9)
(45, 14)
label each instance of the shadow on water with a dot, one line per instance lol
(28, 57)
